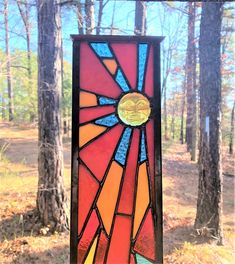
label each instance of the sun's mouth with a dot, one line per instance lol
(134, 109)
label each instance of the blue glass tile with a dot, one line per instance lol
(102, 50)
(121, 81)
(121, 153)
(107, 121)
(142, 64)
(143, 156)
(106, 101)
(141, 260)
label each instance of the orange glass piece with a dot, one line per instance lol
(101, 249)
(126, 203)
(111, 65)
(88, 132)
(108, 197)
(97, 155)
(132, 259)
(145, 242)
(119, 250)
(87, 237)
(87, 99)
(142, 197)
(86, 195)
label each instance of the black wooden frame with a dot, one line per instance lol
(157, 200)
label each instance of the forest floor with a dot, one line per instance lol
(23, 240)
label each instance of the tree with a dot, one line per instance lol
(140, 18)
(191, 135)
(209, 203)
(182, 112)
(51, 196)
(8, 64)
(24, 9)
(90, 16)
(232, 131)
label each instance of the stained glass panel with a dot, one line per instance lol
(115, 119)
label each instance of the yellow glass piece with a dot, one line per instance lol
(91, 254)
(88, 132)
(142, 197)
(87, 99)
(134, 109)
(108, 197)
(111, 65)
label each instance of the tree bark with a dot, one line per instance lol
(80, 18)
(209, 203)
(3, 107)
(182, 113)
(100, 14)
(190, 75)
(90, 16)
(232, 131)
(194, 94)
(51, 196)
(165, 110)
(8, 65)
(173, 118)
(140, 18)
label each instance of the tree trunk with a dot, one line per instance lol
(182, 113)
(232, 131)
(140, 18)
(100, 14)
(194, 93)
(80, 18)
(90, 16)
(51, 196)
(209, 203)
(8, 68)
(173, 118)
(3, 107)
(189, 74)
(165, 111)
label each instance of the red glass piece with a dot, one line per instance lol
(127, 57)
(97, 154)
(87, 237)
(132, 260)
(149, 75)
(150, 146)
(145, 243)
(101, 249)
(88, 188)
(88, 114)
(93, 75)
(119, 249)
(127, 193)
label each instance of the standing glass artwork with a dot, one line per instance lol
(116, 170)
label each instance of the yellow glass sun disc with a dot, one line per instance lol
(134, 109)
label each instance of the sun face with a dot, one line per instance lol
(134, 109)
